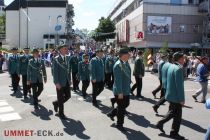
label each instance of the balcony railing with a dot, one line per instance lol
(203, 7)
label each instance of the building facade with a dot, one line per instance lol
(150, 23)
(36, 23)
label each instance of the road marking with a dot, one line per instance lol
(6, 109)
(3, 103)
(7, 113)
(10, 117)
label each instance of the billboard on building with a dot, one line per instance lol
(159, 25)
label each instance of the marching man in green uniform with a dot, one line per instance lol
(138, 72)
(175, 96)
(84, 73)
(62, 80)
(97, 75)
(164, 72)
(14, 70)
(121, 87)
(23, 71)
(74, 69)
(109, 64)
(36, 72)
(160, 65)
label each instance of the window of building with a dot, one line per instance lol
(176, 1)
(196, 28)
(182, 28)
(190, 1)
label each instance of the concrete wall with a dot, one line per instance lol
(12, 28)
(38, 25)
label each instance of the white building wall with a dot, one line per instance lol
(23, 28)
(124, 6)
(12, 28)
(39, 24)
(171, 9)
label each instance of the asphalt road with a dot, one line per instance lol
(88, 122)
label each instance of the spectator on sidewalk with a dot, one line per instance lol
(202, 75)
(1, 61)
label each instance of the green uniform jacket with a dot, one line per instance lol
(24, 64)
(122, 78)
(61, 71)
(160, 65)
(97, 69)
(84, 71)
(14, 65)
(109, 64)
(139, 69)
(36, 71)
(164, 72)
(175, 84)
(74, 63)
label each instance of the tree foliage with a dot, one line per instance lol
(105, 29)
(164, 48)
(2, 24)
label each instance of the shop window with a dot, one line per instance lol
(196, 28)
(182, 28)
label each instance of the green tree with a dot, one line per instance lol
(105, 29)
(164, 48)
(2, 24)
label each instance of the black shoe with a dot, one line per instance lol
(62, 116)
(194, 97)
(112, 102)
(25, 97)
(154, 94)
(126, 112)
(121, 128)
(140, 96)
(203, 101)
(160, 127)
(177, 136)
(132, 93)
(55, 106)
(36, 107)
(155, 108)
(95, 104)
(110, 116)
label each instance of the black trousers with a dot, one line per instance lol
(137, 85)
(119, 111)
(75, 80)
(37, 89)
(26, 87)
(162, 100)
(175, 113)
(15, 81)
(63, 95)
(110, 80)
(85, 84)
(98, 87)
(159, 88)
(1, 64)
(106, 79)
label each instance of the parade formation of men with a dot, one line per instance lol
(101, 69)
